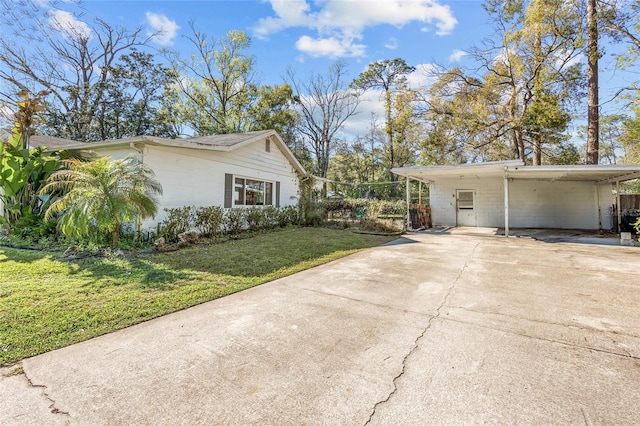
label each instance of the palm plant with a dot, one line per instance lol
(103, 194)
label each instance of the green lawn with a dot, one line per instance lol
(47, 303)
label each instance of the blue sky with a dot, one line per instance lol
(285, 34)
(309, 35)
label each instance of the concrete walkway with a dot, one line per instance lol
(434, 329)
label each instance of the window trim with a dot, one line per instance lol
(231, 189)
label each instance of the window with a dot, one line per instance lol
(251, 192)
(240, 191)
(465, 200)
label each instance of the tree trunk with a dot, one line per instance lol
(115, 236)
(537, 151)
(593, 128)
(537, 136)
(387, 101)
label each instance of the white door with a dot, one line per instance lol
(465, 207)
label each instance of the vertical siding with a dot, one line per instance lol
(192, 177)
(532, 203)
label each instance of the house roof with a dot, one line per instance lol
(50, 142)
(226, 142)
(516, 169)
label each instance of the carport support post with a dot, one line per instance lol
(618, 206)
(506, 203)
(408, 205)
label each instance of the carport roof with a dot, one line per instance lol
(516, 169)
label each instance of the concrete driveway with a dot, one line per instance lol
(435, 329)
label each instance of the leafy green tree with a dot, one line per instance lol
(273, 109)
(103, 195)
(620, 19)
(611, 130)
(388, 76)
(214, 91)
(630, 138)
(351, 164)
(133, 97)
(524, 81)
(216, 83)
(463, 121)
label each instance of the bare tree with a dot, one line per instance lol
(325, 102)
(69, 58)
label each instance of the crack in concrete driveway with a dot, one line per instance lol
(445, 299)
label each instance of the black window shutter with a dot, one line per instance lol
(228, 190)
(277, 194)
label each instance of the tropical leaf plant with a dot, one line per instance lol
(24, 171)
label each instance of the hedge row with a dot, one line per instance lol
(214, 221)
(363, 207)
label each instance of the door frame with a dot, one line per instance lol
(468, 210)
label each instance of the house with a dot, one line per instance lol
(232, 170)
(510, 194)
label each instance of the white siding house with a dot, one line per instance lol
(510, 194)
(233, 170)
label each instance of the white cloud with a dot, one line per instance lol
(342, 21)
(163, 29)
(372, 102)
(457, 55)
(423, 76)
(330, 47)
(392, 43)
(289, 13)
(68, 25)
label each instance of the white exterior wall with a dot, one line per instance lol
(532, 203)
(489, 201)
(547, 204)
(607, 199)
(116, 153)
(193, 177)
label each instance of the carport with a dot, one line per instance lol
(508, 193)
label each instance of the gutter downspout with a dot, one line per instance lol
(506, 201)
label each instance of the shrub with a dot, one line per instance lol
(351, 208)
(234, 221)
(270, 215)
(313, 214)
(33, 226)
(178, 220)
(287, 215)
(209, 220)
(374, 225)
(379, 208)
(255, 218)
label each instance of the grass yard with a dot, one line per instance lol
(47, 303)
